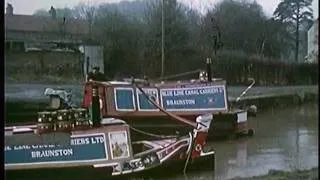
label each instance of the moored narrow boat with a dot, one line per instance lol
(75, 140)
(186, 99)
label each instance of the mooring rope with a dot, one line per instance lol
(153, 135)
(189, 154)
(181, 119)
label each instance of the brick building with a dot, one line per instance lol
(26, 32)
(38, 47)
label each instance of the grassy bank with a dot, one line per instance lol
(311, 174)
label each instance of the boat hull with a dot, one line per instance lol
(223, 125)
(170, 167)
(95, 151)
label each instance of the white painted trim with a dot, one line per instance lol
(170, 154)
(190, 142)
(105, 146)
(174, 151)
(127, 171)
(207, 153)
(83, 135)
(170, 145)
(18, 127)
(242, 117)
(54, 162)
(208, 109)
(105, 165)
(115, 173)
(225, 97)
(139, 169)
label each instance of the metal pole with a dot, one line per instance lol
(162, 40)
(209, 73)
(95, 106)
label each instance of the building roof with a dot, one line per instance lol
(30, 23)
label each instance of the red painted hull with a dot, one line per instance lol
(222, 125)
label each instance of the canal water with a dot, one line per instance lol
(285, 139)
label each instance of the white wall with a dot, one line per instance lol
(313, 42)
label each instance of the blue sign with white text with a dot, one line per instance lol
(195, 98)
(81, 148)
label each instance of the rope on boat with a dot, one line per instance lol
(153, 135)
(189, 154)
(181, 119)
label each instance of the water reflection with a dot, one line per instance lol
(285, 139)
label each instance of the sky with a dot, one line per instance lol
(30, 6)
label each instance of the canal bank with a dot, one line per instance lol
(274, 100)
(23, 101)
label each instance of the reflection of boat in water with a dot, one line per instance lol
(186, 99)
(71, 140)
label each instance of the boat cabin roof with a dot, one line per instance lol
(191, 83)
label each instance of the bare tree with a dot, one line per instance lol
(86, 11)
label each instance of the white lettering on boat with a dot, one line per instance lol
(80, 141)
(21, 147)
(7, 148)
(43, 146)
(191, 92)
(52, 153)
(84, 141)
(97, 140)
(181, 102)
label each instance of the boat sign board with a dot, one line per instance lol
(143, 103)
(205, 98)
(82, 148)
(124, 99)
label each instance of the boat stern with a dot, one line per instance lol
(199, 156)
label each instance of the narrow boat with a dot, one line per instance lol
(82, 143)
(186, 99)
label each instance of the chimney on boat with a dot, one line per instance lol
(95, 106)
